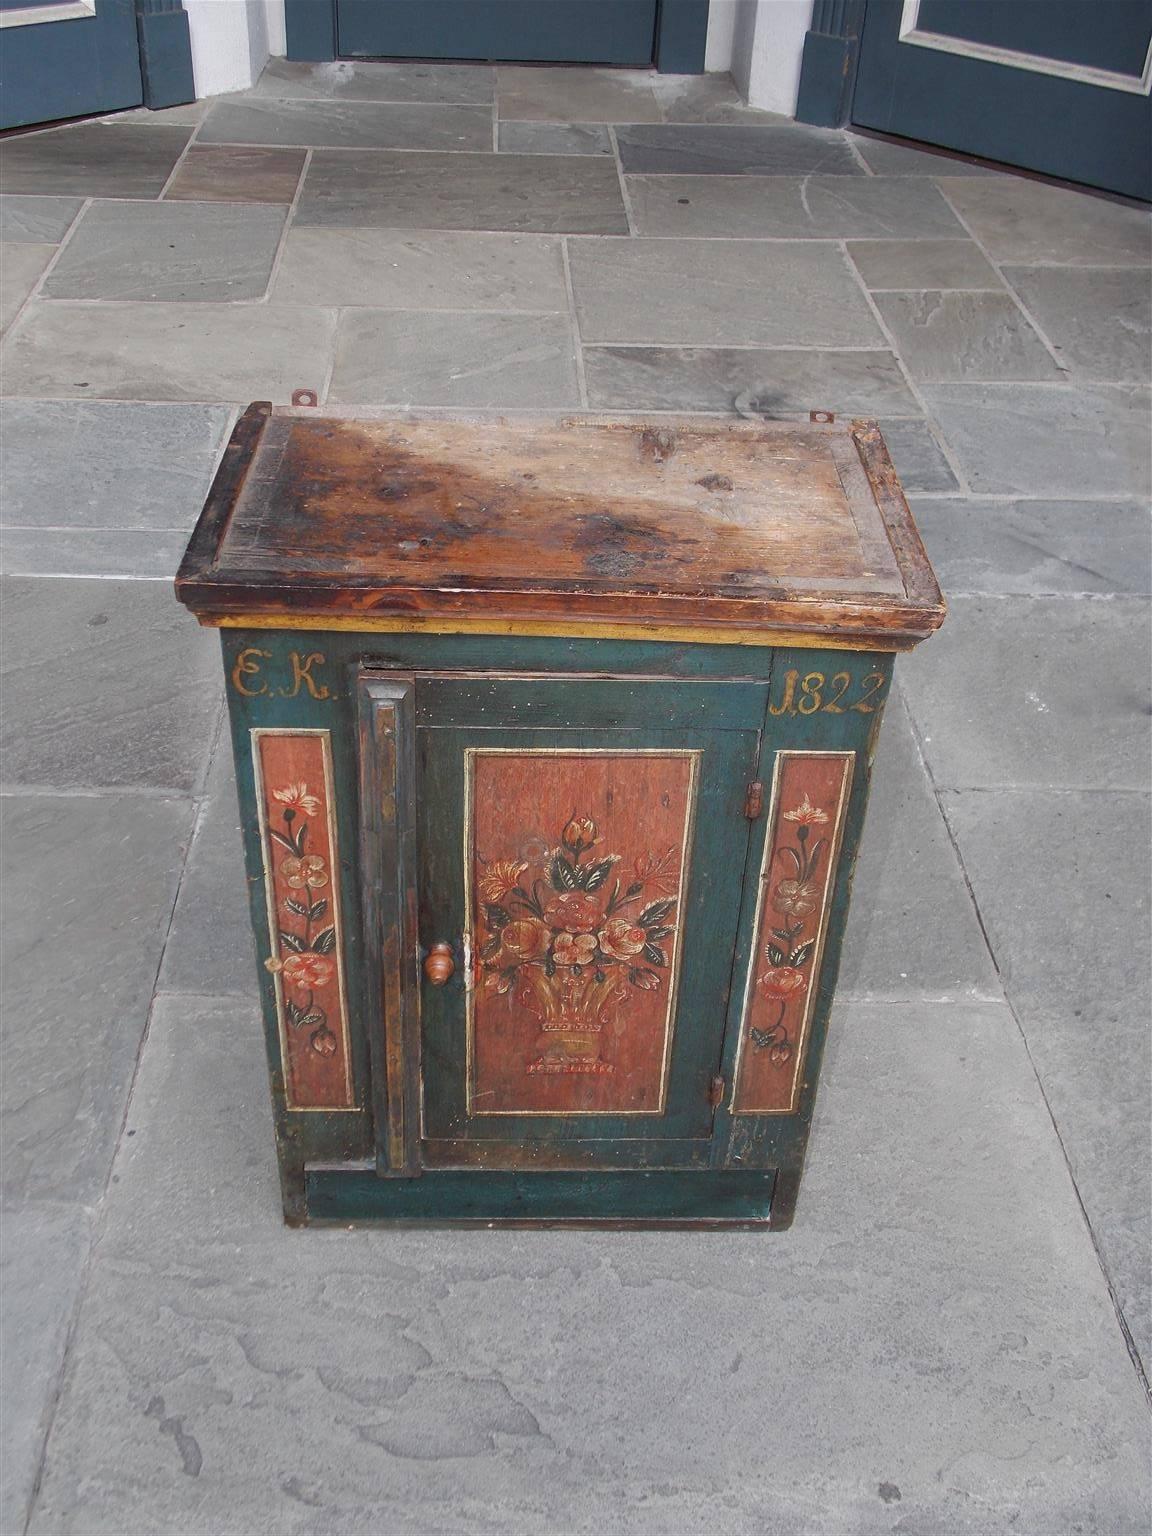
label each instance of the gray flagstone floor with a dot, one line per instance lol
(955, 1336)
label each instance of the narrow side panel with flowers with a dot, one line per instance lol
(809, 800)
(578, 867)
(301, 877)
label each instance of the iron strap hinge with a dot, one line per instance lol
(716, 1092)
(754, 800)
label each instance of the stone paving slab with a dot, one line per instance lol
(37, 220)
(90, 881)
(439, 269)
(232, 173)
(107, 464)
(168, 251)
(43, 1251)
(735, 150)
(1037, 548)
(1050, 870)
(904, 264)
(904, 160)
(767, 380)
(99, 159)
(1017, 220)
(347, 124)
(1099, 321)
(965, 336)
(551, 194)
(90, 552)
(932, 1346)
(210, 941)
(1048, 693)
(912, 930)
(106, 683)
(347, 80)
(532, 94)
(1047, 440)
(454, 359)
(194, 351)
(554, 138)
(813, 207)
(21, 267)
(686, 293)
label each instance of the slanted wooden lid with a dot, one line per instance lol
(683, 528)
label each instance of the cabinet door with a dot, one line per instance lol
(581, 851)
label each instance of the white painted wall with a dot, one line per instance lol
(231, 41)
(767, 47)
(721, 32)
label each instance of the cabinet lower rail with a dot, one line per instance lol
(632, 1198)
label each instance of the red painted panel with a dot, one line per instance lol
(809, 800)
(302, 877)
(577, 866)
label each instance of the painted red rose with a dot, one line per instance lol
(783, 981)
(621, 940)
(574, 912)
(308, 970)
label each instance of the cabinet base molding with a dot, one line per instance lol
(455, 1197)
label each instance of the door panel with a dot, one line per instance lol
(62, 64)
(1061, 88)
(589, 880)
(545, 31)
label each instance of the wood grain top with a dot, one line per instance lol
(682, 523)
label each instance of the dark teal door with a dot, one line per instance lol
(583, 864)
(67, 58)
(1060, 87)
(543, 31)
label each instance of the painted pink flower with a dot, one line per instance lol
(295, 797)
(574, 948)
(807, 815)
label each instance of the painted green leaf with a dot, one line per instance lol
(655, 954)
(802, 952)
(497, 916)
(563, 874)
(656, 913)
(596, 874)
(325, 941)
(292, 942)
(317, 909)
(776, 955)
(296, 906)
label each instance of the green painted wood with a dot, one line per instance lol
(708, 911)
(780, 1140)
(338, 1195)
(721, 699)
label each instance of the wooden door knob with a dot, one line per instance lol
(439, 964)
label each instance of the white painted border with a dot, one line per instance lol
(37, 15)
(1084, 74)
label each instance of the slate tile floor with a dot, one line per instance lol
(955, 1336)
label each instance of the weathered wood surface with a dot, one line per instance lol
(781, 528)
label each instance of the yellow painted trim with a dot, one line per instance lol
(846, 640)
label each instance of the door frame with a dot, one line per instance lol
(831, 60)
(681, 33)
(163, 57)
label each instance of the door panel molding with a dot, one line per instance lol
(1086, 74)
(38, 15)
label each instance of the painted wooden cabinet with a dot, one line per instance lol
(553, 739)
